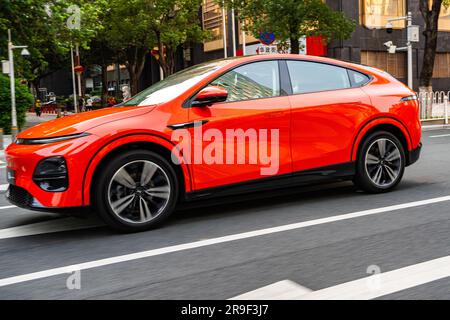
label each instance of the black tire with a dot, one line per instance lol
(363, 180)
(101, 198)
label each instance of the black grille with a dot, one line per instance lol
(19, 196)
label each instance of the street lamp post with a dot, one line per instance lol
(409, 46)
(25, 52)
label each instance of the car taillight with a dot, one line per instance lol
(409, 98)
(51, 174)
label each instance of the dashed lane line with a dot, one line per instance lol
(440, 136)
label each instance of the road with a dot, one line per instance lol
(319, 242)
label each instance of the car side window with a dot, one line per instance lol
(358, 79)
(251, 81)
(309, 76)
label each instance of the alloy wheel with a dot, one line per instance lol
(383, 162)
(139, 191)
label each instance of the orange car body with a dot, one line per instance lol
(316, 130)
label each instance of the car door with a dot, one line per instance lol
(328, 107)
(254, 120)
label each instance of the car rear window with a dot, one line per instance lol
(358, 79)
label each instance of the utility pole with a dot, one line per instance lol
(409, 45)
(233, 30)
(243, 38)
(224, 31)
(75, 101)
(412, 36)
(77, 55)
(11, 47)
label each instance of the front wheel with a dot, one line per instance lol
(380, 164)
(136, 191)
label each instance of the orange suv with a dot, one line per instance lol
(217, 129)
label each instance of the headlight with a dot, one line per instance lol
(50, 140)
(51, 174)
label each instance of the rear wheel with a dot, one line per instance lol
(381, 163)
(137, 191)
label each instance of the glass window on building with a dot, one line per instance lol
(394, 64)
(375, 13)
(444, 19)
(212, 21)
(442, 65)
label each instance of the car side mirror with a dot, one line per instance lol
(209, 95)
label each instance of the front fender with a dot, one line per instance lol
(119, 141)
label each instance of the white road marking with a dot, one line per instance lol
(366, 288)
(51, 226)
(386, 283)
(440, 136)
(282, 290)
(4, 187)
(209, 242)
(7, 207)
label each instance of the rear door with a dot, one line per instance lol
(328, 106)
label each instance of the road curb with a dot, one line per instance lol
(435, 127)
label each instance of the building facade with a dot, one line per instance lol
(365, 45)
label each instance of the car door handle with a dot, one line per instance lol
(185, 125)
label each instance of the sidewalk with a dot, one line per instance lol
(32, 119)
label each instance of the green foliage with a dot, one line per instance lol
(24, 100)
(293, 19)
(41, 24)
(145, 24)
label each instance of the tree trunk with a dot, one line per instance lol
(167, 63)
(135, 66)
(430, 33)
(431, 18)
(295, 45)
(104, 84)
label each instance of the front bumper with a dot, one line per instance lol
(414, 154)
(22, 198)
(22, 161)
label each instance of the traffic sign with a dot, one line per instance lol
(267, 38)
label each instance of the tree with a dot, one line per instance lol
(136, 27)
(292, 19)
(42, 25)
(430, 11)
(28, 29)
(24, 100)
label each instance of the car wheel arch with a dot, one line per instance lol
(390, 125)
(140, 141)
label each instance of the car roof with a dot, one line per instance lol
(301, 57)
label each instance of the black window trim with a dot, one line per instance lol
(282, 84)
(284, 78)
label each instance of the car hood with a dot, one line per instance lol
(81, 122)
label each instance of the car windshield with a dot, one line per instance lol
(174, 85)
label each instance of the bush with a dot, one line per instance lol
(24, 100)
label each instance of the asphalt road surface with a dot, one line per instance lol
(315, 243)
